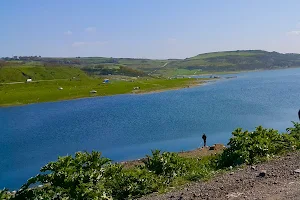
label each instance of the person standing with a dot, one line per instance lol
(299, 114)
(204, 139)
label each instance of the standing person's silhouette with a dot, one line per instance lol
(299, 114)
(204, 139)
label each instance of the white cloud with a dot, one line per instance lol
(95, 43)
(293, 33)
(90, 29)
(68, 32)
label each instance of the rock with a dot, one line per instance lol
(253, 167)
(262, 173)
(231, 173)
(297, 170)
(195, 195)
(212, 147)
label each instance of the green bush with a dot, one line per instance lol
(166, 164)
(251, 147)
(80, 177)
(134, 182)
(5, 194)
(294, 131)
(171, 165)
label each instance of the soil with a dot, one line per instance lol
(278, 179)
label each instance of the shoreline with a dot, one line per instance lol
(195, 83)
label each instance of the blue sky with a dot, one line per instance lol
(146, 28)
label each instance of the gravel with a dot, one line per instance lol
(274, 180)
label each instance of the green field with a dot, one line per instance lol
(21, 72)
(45, 91)
(61, 82)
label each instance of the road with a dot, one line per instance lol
(158, 69)
(12, 83)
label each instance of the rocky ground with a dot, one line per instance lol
(278, 179)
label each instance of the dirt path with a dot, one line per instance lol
(159, 68)
(12, 83)
(281, 182)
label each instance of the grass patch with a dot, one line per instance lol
(45, 91)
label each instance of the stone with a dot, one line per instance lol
(262, 173)
(212, 147)
(253, 167)
(297, 170)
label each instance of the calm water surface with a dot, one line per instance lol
(129, 126)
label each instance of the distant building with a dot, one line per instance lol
(93, 91)
(29, 80)
(106, 80)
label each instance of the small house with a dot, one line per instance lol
(93, 91)
(60, 88)
(28, 80)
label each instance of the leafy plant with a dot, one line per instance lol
(294, 131)
(166, 164)
(80, 177)
(250, 147)
(5, 194)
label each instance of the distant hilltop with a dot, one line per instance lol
(224, 61)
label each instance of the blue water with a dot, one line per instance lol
(129, 126)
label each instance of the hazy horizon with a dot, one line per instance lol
(153, 30)
(153, 58)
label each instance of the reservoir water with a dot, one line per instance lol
(125, 127)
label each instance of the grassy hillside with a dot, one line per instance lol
(53, 82)
(233, 61)
(45, 91)
(19, 72)
(226, 61)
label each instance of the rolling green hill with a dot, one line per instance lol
(19, 72)
(226, 61)
(234, 61)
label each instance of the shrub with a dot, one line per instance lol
(80, 177)
(251, 147)
(294, 131)
(5, 194)
(166, 164)
(133, 183)
(171, 165)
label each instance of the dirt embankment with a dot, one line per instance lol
(277, 179)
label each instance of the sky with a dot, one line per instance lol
(154, 29)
